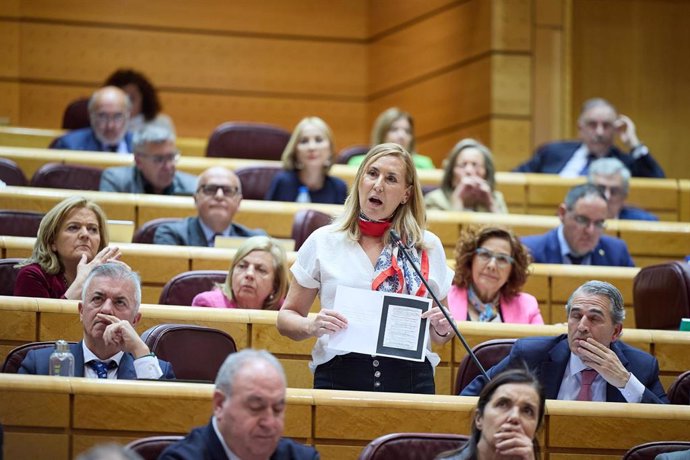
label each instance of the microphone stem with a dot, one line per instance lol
(445, 312)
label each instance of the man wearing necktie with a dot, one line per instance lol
(590, 362)
(110, 348)
(579, 240)
(598, 125)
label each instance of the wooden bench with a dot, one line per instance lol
(58, 418)
(25, 320)
(524, 193)
(669, 240)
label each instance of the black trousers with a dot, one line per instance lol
(358, 372)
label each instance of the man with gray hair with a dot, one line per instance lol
(109, 111)
(590, 363)
(613, 179)
(217, 199)
(154, 171)
(598, 125)
(248, 415)
(579, 240)
(110, 348)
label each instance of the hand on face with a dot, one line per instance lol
(119, 333)
(603, 360)
(512, 442)
(473, 191)
(625, 128)
(327, 322)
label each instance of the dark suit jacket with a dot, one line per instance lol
(548, 357)
(203, 444)
(552, 158)
(128, 179)
(84, 139)
(632, 213)
(188, 232)
(36, 363)
(546, 249)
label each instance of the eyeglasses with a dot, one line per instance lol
(585, 222)
(212, 190)
(485, 256)
(104, 118)
(613, 192)
(159, 160)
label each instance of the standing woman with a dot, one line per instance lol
(307, 158)
(357, 251)
(468, 182)
(72, 240)
(395, 125)
(146, 107)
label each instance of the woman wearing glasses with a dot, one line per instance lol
(491, 266)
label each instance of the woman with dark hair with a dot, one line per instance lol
(468, 182)
(510, 411)
(491, 266)
(146, 107)
(357, 251)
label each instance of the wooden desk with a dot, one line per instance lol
(58, 418)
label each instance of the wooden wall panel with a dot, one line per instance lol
(343, 19)
(548, 87)
(510, 138)
(9, 48)
(385, 15)
(429, 46)
(511, 88)
(643, 69)
(9, 103)
(511, 25)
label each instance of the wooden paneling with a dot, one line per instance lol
(549, 12)
(510, 137)
(643, 69)
(342, 19)
(511, 87)
(511, 22)
(392, 14)
(9, 48)
(548, 88)
(9, 103)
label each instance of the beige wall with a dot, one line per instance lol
(509, 72)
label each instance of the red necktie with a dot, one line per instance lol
(587, 377)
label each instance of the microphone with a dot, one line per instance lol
(398, 241)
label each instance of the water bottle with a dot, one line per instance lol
(62, 360)
(303, 195)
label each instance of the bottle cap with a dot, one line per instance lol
(62, 346)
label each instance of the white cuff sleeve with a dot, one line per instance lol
(633, 390)
(639, 151)
(148, 367)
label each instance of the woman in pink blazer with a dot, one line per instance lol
(491, 266)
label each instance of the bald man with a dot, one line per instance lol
(217, 199)
(109, 111)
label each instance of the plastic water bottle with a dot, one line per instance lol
(62, 360)
(303, 195)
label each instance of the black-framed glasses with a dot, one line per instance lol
(502, 260)
(212, 190)
(585, 222)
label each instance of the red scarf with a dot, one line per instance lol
(371, 228)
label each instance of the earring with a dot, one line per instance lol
(270, 297)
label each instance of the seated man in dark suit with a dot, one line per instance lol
(598, 124)
(248, 415)
(217, 199)
(579, 240)
(109, 110)
(111, 348)
(613, 179)
(589, 363)
(154, 171)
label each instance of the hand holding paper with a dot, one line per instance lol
(328, 322)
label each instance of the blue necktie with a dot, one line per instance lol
(585, 170)
(102, 368)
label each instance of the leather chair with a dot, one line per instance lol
(195, 352)
(150, 448)
(145, 233)
(649, 450)
(76, 115)
(19, 223)
(15, 357)
(411, 446)
(488, 353)
(182, 288)
(679, 391)
(305, 222)
(352, 151)
(8, 275)
(661, 295)
(256, 180)
(58, 175)
(11, 174)
(257, 141)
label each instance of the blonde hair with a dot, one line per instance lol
(280, 271)
(409, 219)
(384, 122)
(50, 226)
(289, 157)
